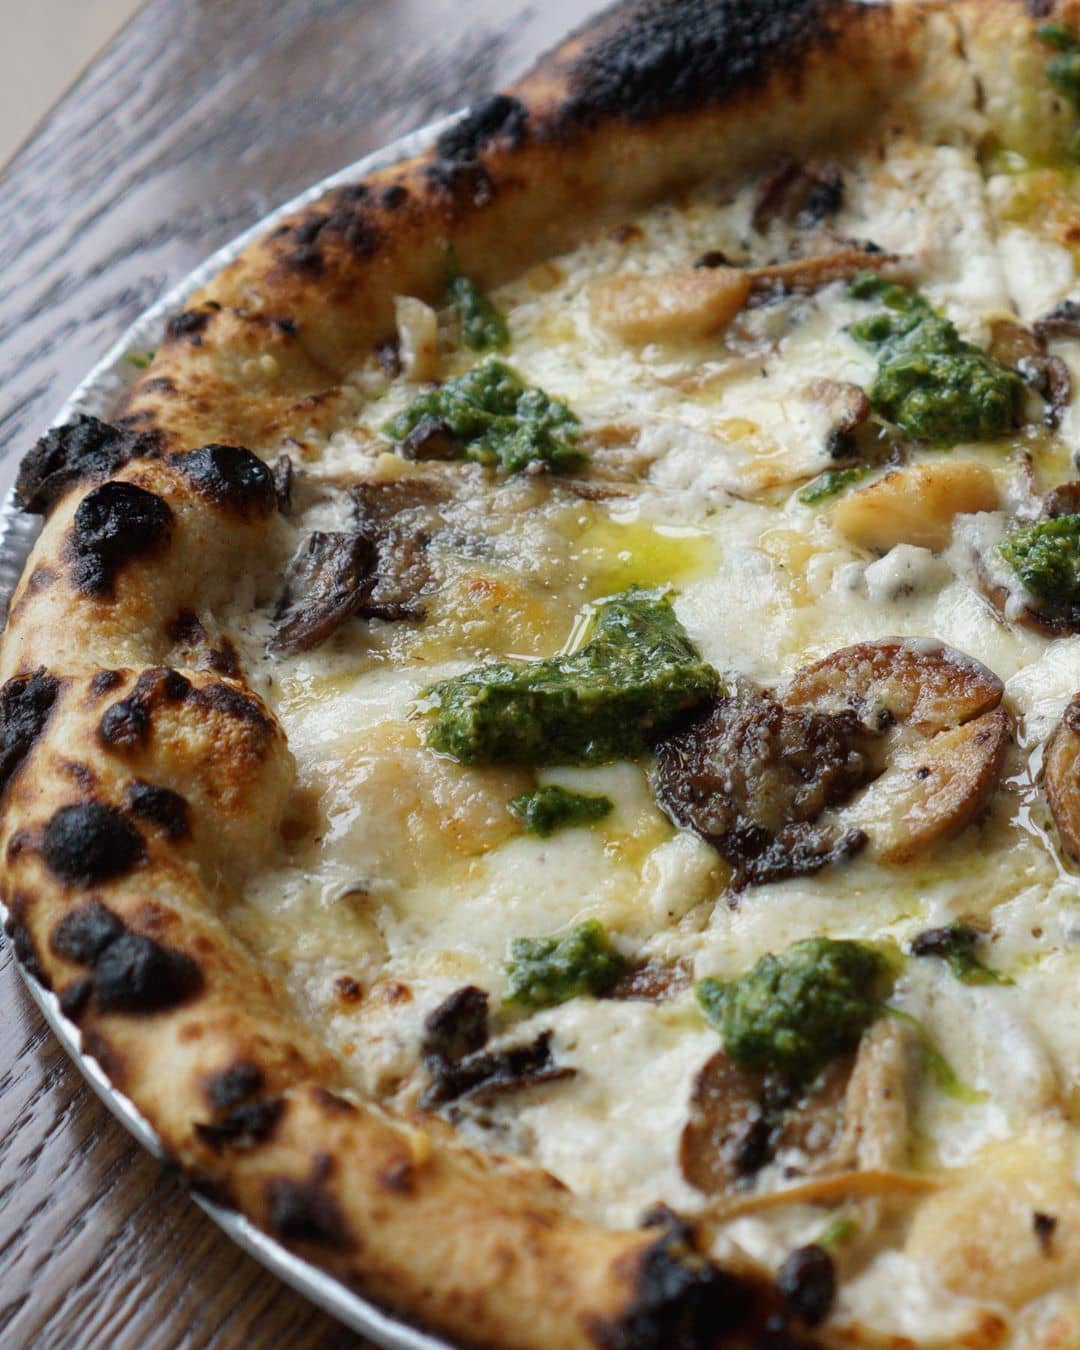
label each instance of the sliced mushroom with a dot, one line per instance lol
(1061, 778)
(669, 306)
(1025, 351)
(848, 408)
(398, 518)
(1063, 321)
(803, 276)
(326, 583)
(854, 1115)
(652, 982)
(1064, 500)
(753, 777)
(915, 505)
(944, 742)
(798, 194)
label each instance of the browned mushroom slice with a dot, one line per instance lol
(398, 518)
(652, 982)
(945, 737)
(803, 276)
(1025, 351)
(668, 306)
(848, 409)
(753, 777)
(802, 195)
(1063, 321)
(326, 583)
(1061, 778)
(1064, 500)
(854, 1115)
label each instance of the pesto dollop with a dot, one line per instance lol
(496, 419)
(929, 381)
(637, 672)
(831, 483)
(483, 327)
(956, 944)
(794, 1012)
(553, 808)
(1046, 558)
(548, 970)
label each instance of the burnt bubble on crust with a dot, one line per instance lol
(189, 325)
(161, 806)
(230, 477)
(343, 218)
(126, 724)
(90, 843)
(25, 706)
(304, 1211)
(83, 451)
(682, 1301)
(114, 524)
(132, 973)
(497, 117)
(662, 58)
(242, 1119)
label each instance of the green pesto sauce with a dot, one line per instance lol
(794, 1012)
(936, 1065)
(956, 947)
(1046, 558)
(608, 700)
(552, 808)
(831, 483)
(140, 360)
(548, 970)
(497, 419)
(1063, 71)
(483, 327)
(929, 381)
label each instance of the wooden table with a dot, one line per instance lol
(201, 116)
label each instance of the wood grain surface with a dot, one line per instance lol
(200, 117)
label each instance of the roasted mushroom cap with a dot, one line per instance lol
(753, 777)
(1061, 778)
(325, 585)
(854, 1114)
(944, 736)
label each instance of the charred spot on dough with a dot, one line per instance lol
(22, 940)
(81, 774)
(660, 58)
(132, 973)
(244, 1126)
(222, 698)
(227, 1088)
(125, 725)
(394, 197)
(26, 704)
(496, 117)
(114, 524)
(303, 1211)
(86, 450)
(342, 218)
(230, 477)
(89, 843)
(104, 682)
(188, 325)
(83, 934)
(680, 1299)
(161, 806)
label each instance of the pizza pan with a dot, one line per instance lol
(98, 394)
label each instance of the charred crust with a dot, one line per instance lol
(188, 325)
(89, 843)
(132, 973)
(244, 1126)
(343, 219)
(681, 1301)
(393, 197)
(655, 58)
(26, 703)
(230, 477)
(161, 806)
(104, 682)
(82, 451)
(497, 117)
(26, 952)
(83, 934)
(125, 725)
(222, 698)
(303, 1211)
(185, 629)
(114, 524)
(229, 1087)
(75, 997)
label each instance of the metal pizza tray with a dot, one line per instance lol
(98, 394)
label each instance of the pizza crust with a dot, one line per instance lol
(144, 779)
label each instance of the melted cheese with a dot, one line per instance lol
(415, 878)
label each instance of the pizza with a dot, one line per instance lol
(541, 739)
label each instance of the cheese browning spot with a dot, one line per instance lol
(550, 970)
(607, 701)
